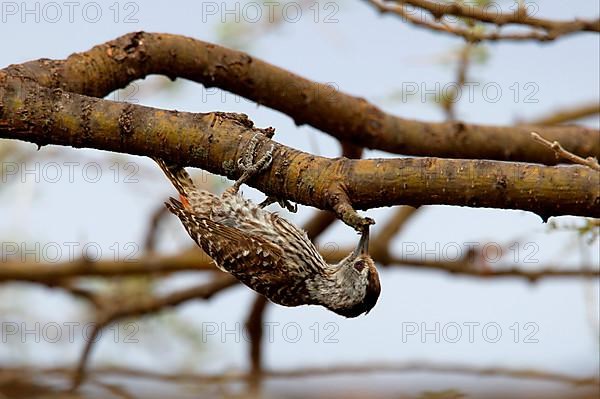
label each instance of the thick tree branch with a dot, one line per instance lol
(151, 236)
(214, 141)
(115, 64)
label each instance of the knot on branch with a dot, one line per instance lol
(341, 205)
(128, 48)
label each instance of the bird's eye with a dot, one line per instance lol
(360, 265)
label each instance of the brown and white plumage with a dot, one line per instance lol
(269, 254)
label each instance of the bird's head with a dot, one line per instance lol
(359, 281)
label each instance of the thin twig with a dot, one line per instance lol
(151, 235)
(464, 62)
(190, 260)
(541, 30)
(561, 152)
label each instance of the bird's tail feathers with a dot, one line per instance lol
(180, 179)
(180, 210)
(174, 205)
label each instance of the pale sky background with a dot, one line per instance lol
(363, 54)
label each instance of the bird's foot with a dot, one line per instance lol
(248, 166)
(269, 132)
(217, 119)
(282, 203)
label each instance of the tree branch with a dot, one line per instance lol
(112, 313)
(192, 260)
(214, 141)
(569, 114)
(466, 268)
(196, 260)
(562, 153)
(115, 64)
(312, 372)
(254, 326)
(472, 34)
(553, 28)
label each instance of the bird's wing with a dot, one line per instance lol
(234, 251)
(312, 259)
(255, 261)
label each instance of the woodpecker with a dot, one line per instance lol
(266, 252)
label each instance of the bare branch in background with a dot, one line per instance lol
(541, 29)
(195, 260)
(568, 115)
(254, 326)
(333, 370)
(449, 102)
(151, 235)
(111, 312)
(381, 243)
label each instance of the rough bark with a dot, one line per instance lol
(214, 141)
(115, 64)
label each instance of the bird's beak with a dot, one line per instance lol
(363, 245)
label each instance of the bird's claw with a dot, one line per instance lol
(282, 203)
(248, 166)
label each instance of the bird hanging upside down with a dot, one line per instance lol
(266, 252)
